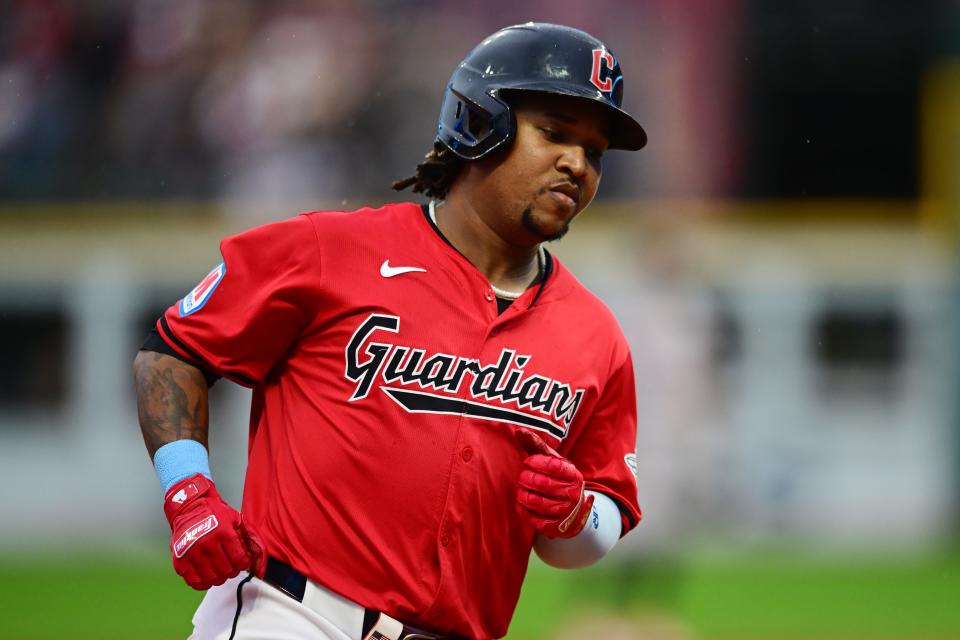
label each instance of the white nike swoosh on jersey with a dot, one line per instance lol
(388, 272)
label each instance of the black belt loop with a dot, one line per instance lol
(370, 618)
(286, 578)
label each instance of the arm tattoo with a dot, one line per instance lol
(171, 400)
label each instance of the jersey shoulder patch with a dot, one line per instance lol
(631, 460)
(194, 301)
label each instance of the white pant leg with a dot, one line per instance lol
(266, 613)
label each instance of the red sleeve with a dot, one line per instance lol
(245, 314)
(606, 452)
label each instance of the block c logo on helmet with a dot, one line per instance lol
(603, 64)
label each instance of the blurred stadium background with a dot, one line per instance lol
(782, 256)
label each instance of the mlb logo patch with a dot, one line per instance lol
(194, 301)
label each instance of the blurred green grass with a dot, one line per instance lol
(81, 596)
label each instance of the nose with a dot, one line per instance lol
(573, 160)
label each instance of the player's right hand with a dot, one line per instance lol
(210, 542)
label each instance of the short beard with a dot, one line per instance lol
(531, 225)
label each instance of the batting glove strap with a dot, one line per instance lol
(184, 493)
(578, 517)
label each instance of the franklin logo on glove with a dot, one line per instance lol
(193, 534)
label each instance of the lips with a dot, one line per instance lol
(569, 190)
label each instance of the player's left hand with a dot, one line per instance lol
(551, 495)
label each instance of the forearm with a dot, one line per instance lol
(172, 400)
(598, 537)
(210, 540)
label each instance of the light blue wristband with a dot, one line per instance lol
(180, 459)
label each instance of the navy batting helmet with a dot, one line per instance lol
(475, 118)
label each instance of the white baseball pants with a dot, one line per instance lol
(246, 608)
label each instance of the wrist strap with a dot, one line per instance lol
(180, 459)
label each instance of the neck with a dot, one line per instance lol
(506, 266)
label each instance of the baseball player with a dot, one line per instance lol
(434, 394)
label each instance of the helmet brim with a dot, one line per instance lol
(625, 132)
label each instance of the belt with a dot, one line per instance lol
(376, 625)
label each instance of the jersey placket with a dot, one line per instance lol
(468, 449)
(464, 452)
(488, 350)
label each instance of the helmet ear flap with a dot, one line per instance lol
(471, 122)
(472, 128)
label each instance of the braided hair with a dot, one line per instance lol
(435, 174)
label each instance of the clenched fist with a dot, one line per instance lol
(210, 542)
(551, 495)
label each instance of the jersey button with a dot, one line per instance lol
(467, 454)
(489, 295)
(444, 539)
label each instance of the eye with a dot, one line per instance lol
(550, 134)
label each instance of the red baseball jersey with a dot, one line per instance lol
(382, 462)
